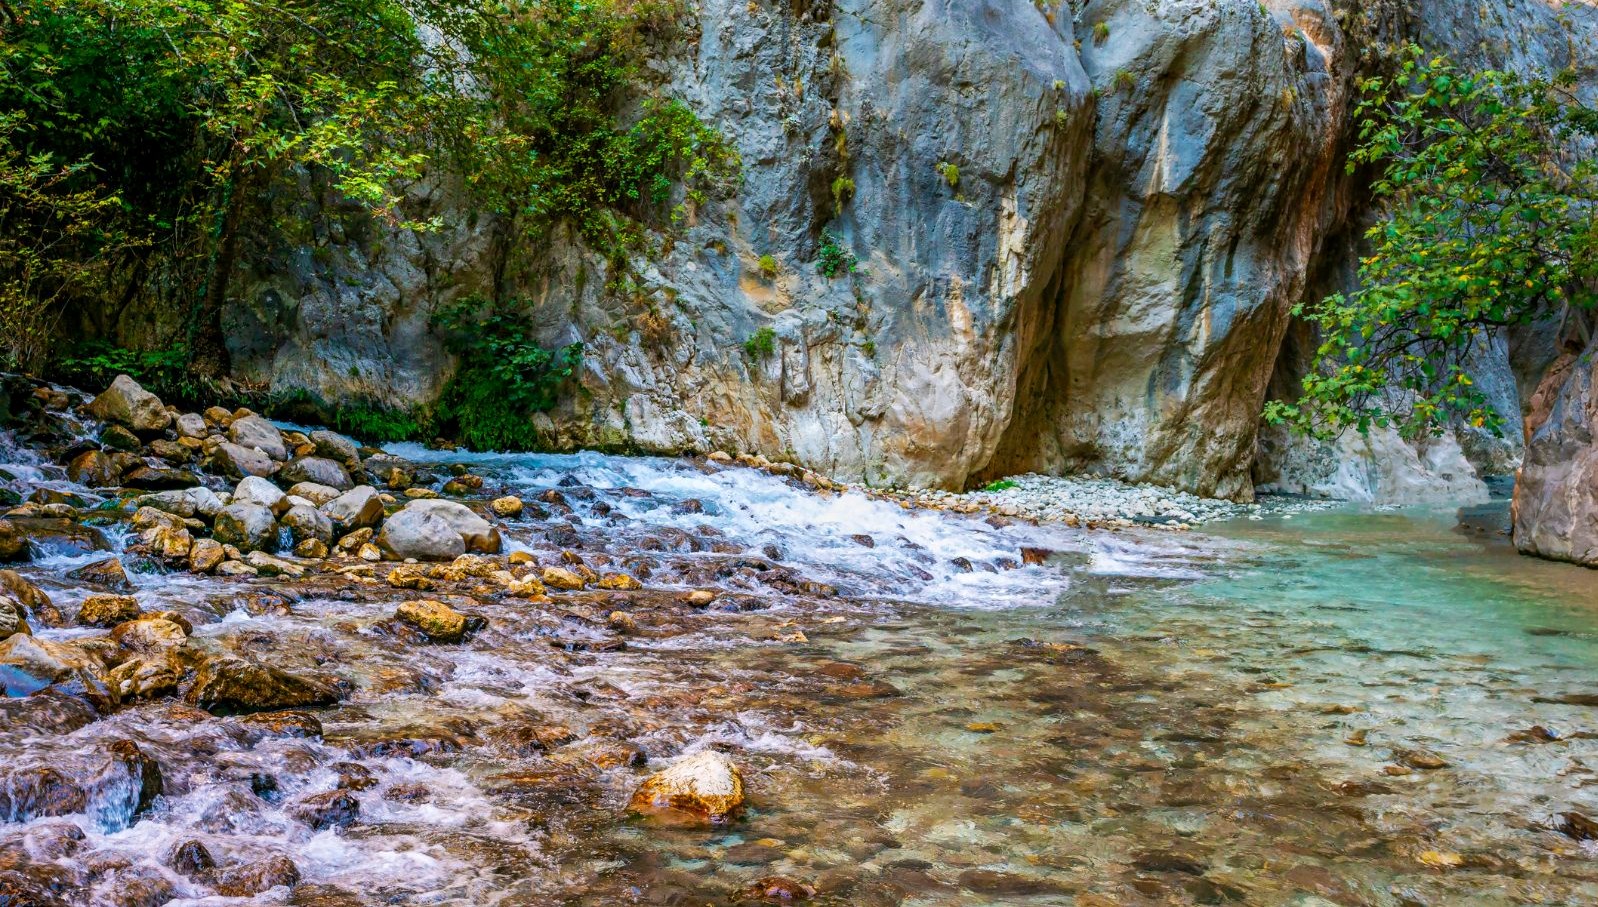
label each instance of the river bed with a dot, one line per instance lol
(1337, 708)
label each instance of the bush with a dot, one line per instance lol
(950, 174)
(768, 267)
(761, 344)
(503, 376)
(1101, 32)
(834, 259)
(1000, 485)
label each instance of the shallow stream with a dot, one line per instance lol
(1337, 708)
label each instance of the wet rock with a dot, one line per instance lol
(330, 809)
(12, 619)
(106, 611)
(621, 622)
(241, 462)
(1423, 759)
(354, 776)
(267, 565)
(230, 685)
(48, 711)
(30, 596)
(706, 784)
(206, 555)
(699, 598)
(260, 876)
(169, 544)
(358, 508)
(562, 578)
(144, 678)
(506, 507)
(1006, 884)
(192, 425)
(317, 470)
(107, 574)
(249, 527)
(336, 447)
(153, 478)
(292, 723)
(13, 544)
(255, 432)
(17, 890)
(191, 859)
(28, 665)
(311, 548)
(778, 890)
(619, 581)
(1577, 826)
(93, 468)
(131, 406)
(437, 621)
(143, 775)
(305, 522)
(422, 535)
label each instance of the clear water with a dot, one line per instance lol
(1146, 718)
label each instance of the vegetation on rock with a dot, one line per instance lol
(1491, 195)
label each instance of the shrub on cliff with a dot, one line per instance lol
(1489, 190)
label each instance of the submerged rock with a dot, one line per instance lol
(330, 809)
(706, 784)
(438, 621)
(107, 574)
(254, 878)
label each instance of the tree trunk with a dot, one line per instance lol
(209, 351)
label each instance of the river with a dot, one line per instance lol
(1346, 707)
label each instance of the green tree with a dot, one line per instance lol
(1489, 194)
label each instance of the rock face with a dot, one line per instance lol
(1556, 495)
(1082, 229)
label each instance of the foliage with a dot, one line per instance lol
(1124, 79)
(768, 267)
(503, 376)
(1489, 224)
(164, 372)
(834, 259)
(842, 193)
(1000, 485)
(1101, 32)
(761, 344)
(139, 139)
(950, 174)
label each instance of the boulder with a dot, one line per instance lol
(93, 468)
(115, 437)
(146, 677)
(170, 544)
(230, 685)
(706, 785)
(156, 478)
(562, 578)
(186, 502)
(319, 470)
(478, 534)
(13, 544)
(29, 664)
(127, 404)
(54, 536)
(106, 611)
(238, 461)
(506, 507)
(30, 596)
(336, 447)
(248, 527)
(206, 555)
(329, 809)
(13, 618)
(192, 425)
(306, 522)
(149, 635)
(423, 535)
(255, 432)
(256, 490)
(358, 508)
(267, 565)
(251, 879)
(437, 621)
(313, 492)
(107, 574)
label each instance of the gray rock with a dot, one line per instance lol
(336, 447)
(256, 490)
(304, 521)
(476, 532)
(129, 405)
(319, 470)
(358, 508)
(249, 527)
(421, 534)
(1555, 512)
(192, 425)
(186, 502)
(238, 461)
(257, 433)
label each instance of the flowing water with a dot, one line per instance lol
(1253, 714)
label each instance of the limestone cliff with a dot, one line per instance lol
(1081, 226)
